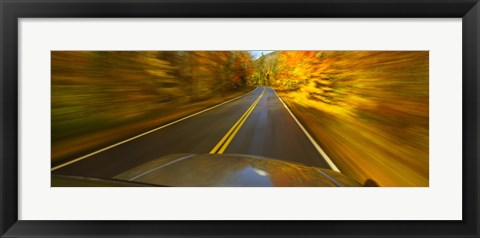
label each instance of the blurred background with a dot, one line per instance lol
(99, 97)
(368, 110)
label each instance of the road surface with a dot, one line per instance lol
(257, 123)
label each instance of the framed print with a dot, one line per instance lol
(227, 118)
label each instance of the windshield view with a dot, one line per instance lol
(240, 118)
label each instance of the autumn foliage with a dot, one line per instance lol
(93, 91)
(368, 109)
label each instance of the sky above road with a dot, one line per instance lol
(258, 53)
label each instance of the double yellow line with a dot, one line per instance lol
(225, 141)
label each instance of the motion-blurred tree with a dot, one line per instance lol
(100, 88)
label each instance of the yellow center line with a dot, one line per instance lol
(224, 147)
(227, 138)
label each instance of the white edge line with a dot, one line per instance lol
(319, 149)
(338, 184)
(161, 166)
(145, 133)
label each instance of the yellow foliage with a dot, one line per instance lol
(370, 109)
(95, 90)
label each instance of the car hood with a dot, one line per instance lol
(231, 170)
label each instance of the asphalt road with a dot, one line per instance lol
(257, 123)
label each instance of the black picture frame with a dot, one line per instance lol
(11, 11)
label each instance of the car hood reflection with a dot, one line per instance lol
(231, 170)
